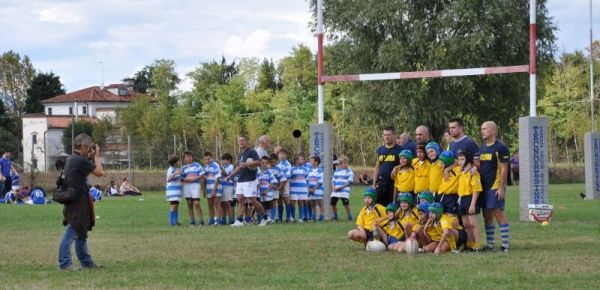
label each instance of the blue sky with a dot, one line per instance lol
(70, 37)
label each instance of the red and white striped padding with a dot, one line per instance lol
(427, 74)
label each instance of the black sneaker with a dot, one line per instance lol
(488, 249)
(504, 250)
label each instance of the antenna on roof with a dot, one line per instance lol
(102, 72)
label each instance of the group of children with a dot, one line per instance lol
(435, 204)
(282, 186)
(25, 195)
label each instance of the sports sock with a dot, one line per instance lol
(193, 221)
(273, 212)
(211, 221)
(288, 211)
(176, 217)
(171, 217)
(280, 211)
(321, 217)
(489, 233)
(301, 212)
(349, 216)
(292, 211)
(504, 235)
(240, 219)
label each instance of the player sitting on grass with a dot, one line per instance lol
(403, 175)
(390, 230)
(367, 217)
(407, 213)
(436, 169)
(440, 233)
(417, 231)
(425, 196)
(469, 187)
(449, 186)
(173, 189)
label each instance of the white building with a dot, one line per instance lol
(42, 132)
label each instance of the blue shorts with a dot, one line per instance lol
(392, 240)
(490, 201)
(464, 204)
(450, 203)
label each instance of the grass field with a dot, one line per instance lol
(138, 248)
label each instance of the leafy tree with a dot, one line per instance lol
(77, 128)
(43, 86)
(16, 73)
(267, 76)
(429, 35)
(163, 81)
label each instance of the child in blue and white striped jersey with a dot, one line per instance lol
(342, 184)
(212, 173)
(315, 188)
(299, 188)
(173, 189)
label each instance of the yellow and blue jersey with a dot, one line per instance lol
(436, 229)
(392, 228)
(404, 181)
(436, 174)
(469, 183)
(368, 215)
(421, 169)
(490, 158)
(450, 185)
(412, 217)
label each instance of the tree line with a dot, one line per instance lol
(253, 97)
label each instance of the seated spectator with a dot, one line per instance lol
(364, 179)
(128, 189)
(96, 192)
(112, 189)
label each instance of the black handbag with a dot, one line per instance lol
(63, 195)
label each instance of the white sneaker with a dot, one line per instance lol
(292, 220)
(237, 223)
(263, 222)
(269, 220)
(300, 221)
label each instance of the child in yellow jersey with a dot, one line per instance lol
(408, 215)
(390, 230)
(417, 231)
(449, 186)
(403, 175)
(469, 187)
(440, 231)
(436, 167)
(367, 218)
(421, 167)
(425, 196)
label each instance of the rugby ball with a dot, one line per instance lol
(411, 247)
(250, 160)
(375, 246)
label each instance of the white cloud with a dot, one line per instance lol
(61, 14)
(253, 45)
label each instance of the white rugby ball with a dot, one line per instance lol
(411, 247)
(375, 246)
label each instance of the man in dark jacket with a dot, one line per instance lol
(79, 216)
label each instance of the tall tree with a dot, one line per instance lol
(43, 86)
(164, 81)
(430, 35)
(77, 128)
(16, 73)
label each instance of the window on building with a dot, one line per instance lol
(34, 163)
(84, 110)
(71, 110)
(34, 139)
(49, 111)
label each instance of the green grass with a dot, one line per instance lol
(138, 248)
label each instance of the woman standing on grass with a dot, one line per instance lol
(79, 216)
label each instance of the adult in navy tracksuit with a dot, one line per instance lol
(387, 159)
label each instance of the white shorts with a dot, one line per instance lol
(275, 194)
(299, 196)
(191, 190)
(340, 194)
(227, 193)
(16, 187)
(286, 190)
(247, 189)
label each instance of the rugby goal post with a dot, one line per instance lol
(533, 130)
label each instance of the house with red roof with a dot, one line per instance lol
(43, 132)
